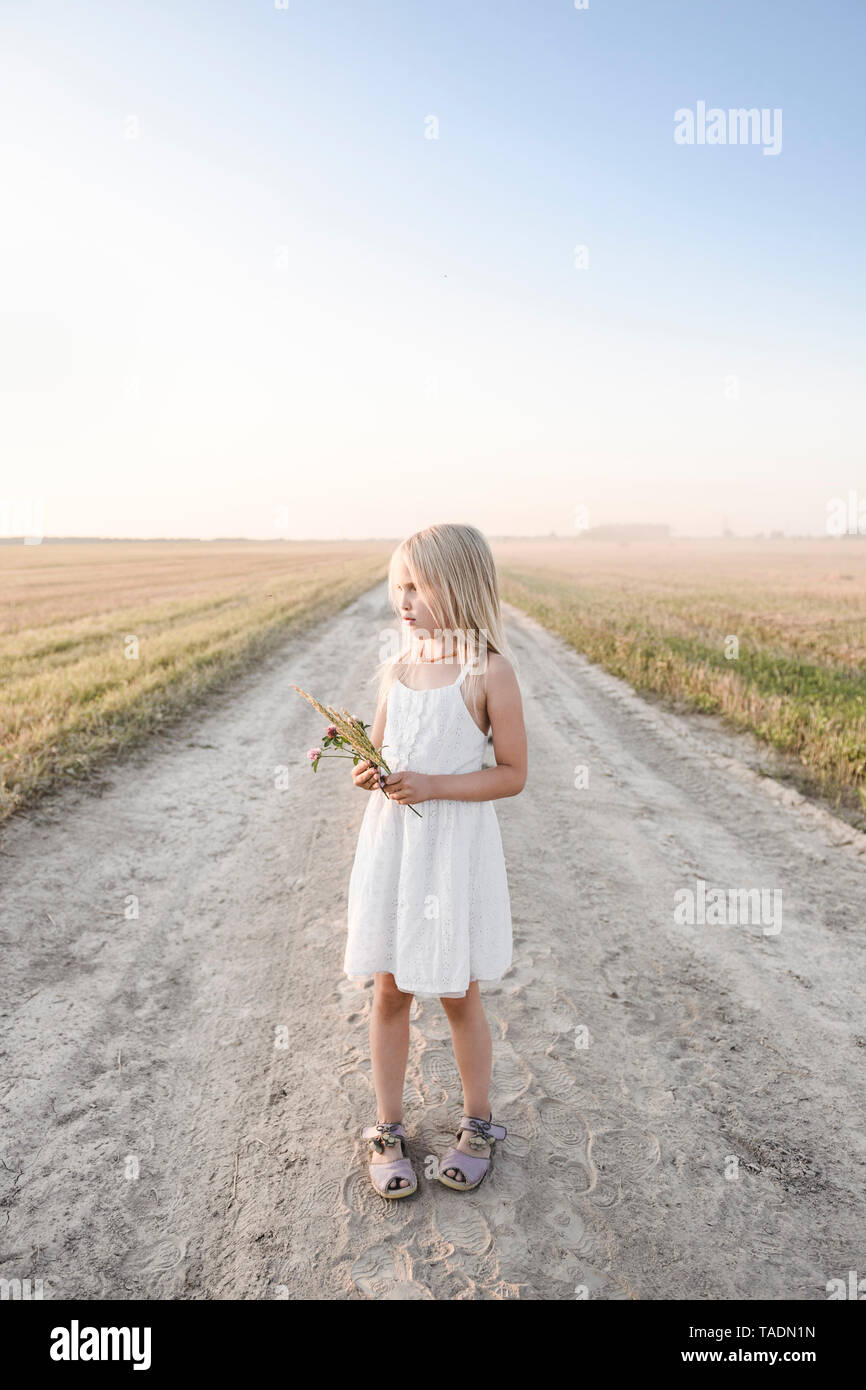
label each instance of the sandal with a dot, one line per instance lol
(382, 1175)
(472, 1167)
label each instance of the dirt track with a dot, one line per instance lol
(153, 1041)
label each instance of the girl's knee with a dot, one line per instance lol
(466, 1001)
(388, 998)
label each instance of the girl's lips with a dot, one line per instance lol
(408, 620)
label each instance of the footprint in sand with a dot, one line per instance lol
(511, 1075)
(557, 1079)
(460, 1225)
(381, 1273)
(157, 1260)
(523, 1128)
(413, 1102)
(563, 1127)
(439, 1074)
(357, 1088)
(560, 1017)
(620, 1158)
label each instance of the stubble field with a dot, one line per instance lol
(770, 635)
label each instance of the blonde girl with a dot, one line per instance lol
(429, 911)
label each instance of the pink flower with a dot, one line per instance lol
(331, 731)
(314, 753)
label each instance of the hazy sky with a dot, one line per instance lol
(243, 293)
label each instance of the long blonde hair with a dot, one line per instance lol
(453, 570)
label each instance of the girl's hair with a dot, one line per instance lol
(454, 573)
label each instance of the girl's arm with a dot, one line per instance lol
(507, 778)
(364, 775)
(377, 732)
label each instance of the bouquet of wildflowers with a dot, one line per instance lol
(346, 732)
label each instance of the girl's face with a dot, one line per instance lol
(414, 612)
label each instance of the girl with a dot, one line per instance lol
(429, 911)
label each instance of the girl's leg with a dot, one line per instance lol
(473, 1051)
(389, 1052)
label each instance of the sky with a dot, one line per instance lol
(350, 267)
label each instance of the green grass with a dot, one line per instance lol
(72, 697)
(793, 683)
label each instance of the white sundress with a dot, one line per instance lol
(428, 899)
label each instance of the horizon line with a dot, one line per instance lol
(395, 540)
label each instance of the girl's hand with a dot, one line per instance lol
(409, 787)
(365, 776)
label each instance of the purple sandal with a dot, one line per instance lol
(382, 1174)
(475, 1166)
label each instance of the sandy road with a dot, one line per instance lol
(182, 1090)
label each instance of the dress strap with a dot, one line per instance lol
(464, 671)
